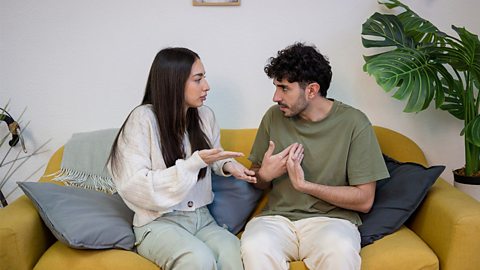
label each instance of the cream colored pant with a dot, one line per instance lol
(271, 242)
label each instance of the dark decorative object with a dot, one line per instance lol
(12, 165)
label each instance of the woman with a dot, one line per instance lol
(161, 164)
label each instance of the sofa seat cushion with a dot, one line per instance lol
(61, 257)
(298, 265)
(402, 250)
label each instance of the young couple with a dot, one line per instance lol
(309, 150)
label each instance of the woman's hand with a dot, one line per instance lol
(209, 156)
(240, 172)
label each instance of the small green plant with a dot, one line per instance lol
(10, 165)
(420, 63)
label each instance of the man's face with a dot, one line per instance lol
(290, 97)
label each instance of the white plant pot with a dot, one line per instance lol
(472, 190)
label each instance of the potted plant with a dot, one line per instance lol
(421, 64)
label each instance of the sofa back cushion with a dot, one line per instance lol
(397, 198)
(233, 203)
(82, 218)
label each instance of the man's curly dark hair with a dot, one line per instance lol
(303, 64)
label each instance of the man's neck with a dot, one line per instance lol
(317, 109)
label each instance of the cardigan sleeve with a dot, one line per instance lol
(138, 184)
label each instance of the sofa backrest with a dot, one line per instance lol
(53, 167)
(391, 142)
(398, 146)
(239, 140)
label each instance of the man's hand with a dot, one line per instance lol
(294, 169)
(240, 172)
(273, 166)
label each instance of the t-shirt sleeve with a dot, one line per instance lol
(365, 161)
(260, 145)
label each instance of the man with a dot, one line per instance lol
(321, 159)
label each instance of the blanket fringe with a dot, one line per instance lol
(84, 180)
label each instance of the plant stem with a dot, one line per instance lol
(472, 161)
(3, 201)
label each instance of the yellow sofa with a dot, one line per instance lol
(443, 234)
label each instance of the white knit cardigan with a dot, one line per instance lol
(143, 181)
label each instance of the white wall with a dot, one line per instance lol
(82, 65)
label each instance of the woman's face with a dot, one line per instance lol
(196, 87)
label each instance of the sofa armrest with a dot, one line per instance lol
(449, 222)
(23, 236)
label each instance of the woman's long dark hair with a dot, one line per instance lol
(165, 91)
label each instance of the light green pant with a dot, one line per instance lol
(188, 240)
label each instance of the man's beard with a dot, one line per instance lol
(295, 109)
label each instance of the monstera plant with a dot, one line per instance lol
(421, 64)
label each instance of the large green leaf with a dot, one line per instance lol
(385, 31)
(472, 131)
(470, 50)
(392, 4)
(410, 73)
(454, 100)
(420, 30)
(462, 54)
(408, 70)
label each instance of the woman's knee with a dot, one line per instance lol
(229, 246)
(200, 258)
(180, 250)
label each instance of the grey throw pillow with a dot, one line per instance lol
(233, 202)
(82, 218)
(396, 198)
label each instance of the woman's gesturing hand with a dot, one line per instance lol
(240, 172)
(211, 155)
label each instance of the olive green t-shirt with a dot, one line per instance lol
(339, 150)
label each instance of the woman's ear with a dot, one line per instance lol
(312, 90)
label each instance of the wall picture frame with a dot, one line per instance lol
(216, 2)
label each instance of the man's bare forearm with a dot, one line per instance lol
(358, 198)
